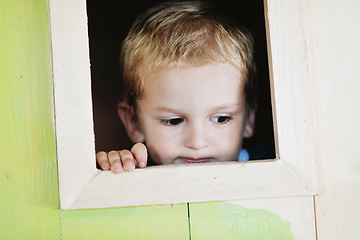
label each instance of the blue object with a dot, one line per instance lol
(243, 156)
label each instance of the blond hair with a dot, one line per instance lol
(180, 34)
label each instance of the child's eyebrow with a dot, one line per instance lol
(167, 109)
(223, 107)
(227, 107)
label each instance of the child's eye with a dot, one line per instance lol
(221, 119)
(172, 121)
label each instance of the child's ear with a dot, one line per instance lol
(249, 124)
(128, 116)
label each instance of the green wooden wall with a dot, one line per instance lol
(29, 205)
(28, 178)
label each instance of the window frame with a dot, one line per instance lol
(83, 186)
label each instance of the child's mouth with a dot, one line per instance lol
(195, 160)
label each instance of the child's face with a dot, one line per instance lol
(194, 114)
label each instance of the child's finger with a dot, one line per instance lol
(114, 159)
(103, 161)
(127, 160)
(139, 152)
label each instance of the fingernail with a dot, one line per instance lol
(106, 166)
(116, 168)
(142, 164)
(129, 166)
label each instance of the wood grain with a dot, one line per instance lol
(332, 31)
(192, 183)
(146, 222)
(72, 96)
(28, 173)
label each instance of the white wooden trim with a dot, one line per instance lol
(72, 91)
(170, 184)
(291, 86)
(81, 185)
(334, 55)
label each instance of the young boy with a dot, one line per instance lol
(189, 88)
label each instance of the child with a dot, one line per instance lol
(189, 88)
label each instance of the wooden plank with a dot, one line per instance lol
(193, 183)
(147, 222)
(291, 86)
(72, 92)
(332, 31)
(265, 219)
(28, 176)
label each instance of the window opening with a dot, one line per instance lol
(108, 25)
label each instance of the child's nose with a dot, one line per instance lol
(196, 138)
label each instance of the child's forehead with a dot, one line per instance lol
(215, 79)
(220, 75)
(194, 71)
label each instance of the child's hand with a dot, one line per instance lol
(123, 160)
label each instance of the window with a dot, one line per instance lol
(83, 186)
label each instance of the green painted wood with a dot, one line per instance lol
(225, 221)
(139, 223)
(28, 175)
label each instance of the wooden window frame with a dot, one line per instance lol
(82, 185)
